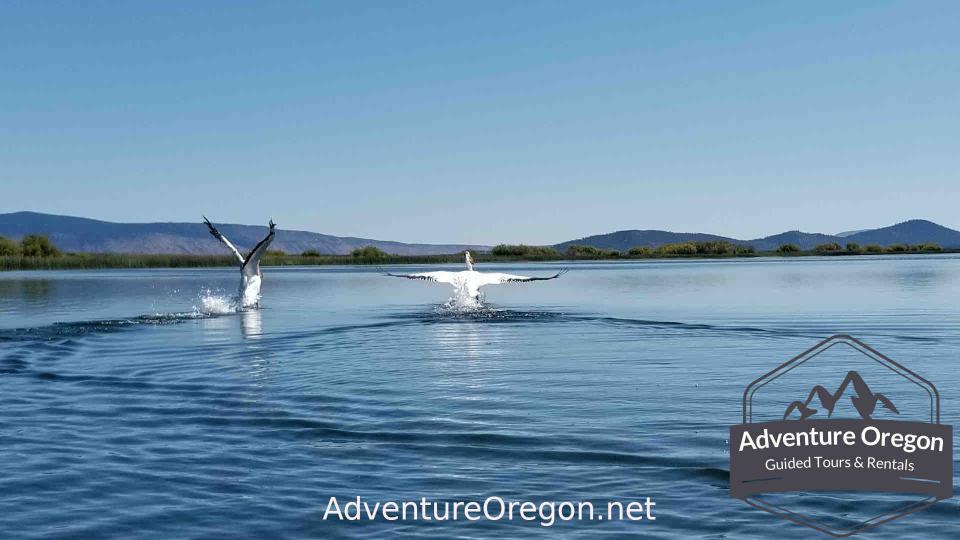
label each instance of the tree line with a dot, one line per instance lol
(35, 251)
(32, 245)
(853, 248)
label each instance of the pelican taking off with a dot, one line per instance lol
(467, 283)
(250, 274)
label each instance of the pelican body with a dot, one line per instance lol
(467, 283)
(251, 277)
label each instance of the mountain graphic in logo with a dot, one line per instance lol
(864, 400)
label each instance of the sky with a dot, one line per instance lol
(484, 122)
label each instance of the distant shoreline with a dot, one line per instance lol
(96, 261)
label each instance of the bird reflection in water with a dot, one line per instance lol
(251, 324)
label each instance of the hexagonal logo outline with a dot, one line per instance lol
(800, 359)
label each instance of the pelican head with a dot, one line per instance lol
(469, 260)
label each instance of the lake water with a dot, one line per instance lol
(124, 412)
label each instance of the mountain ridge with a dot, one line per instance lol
(913, 231)
(79, 234)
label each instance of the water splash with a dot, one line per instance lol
(216, 303)
(464, 301)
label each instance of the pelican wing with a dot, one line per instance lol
(439, 277)
(216, 234)
(260, 249)
(496, 278)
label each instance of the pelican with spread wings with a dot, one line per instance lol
(467, 283)
(250, 274)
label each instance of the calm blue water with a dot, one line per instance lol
(126, 413)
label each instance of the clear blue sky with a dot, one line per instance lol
(485, 121)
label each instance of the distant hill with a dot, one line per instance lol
(624, 240)
(89, 235)
(915, 231)
(801, 239)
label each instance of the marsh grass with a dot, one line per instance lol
(72, 261)
(93, 261)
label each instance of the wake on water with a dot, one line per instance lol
(466, 308)
(209, 304)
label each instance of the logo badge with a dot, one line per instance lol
(841, 417)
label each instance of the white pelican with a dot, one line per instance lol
(467, 283)
(250, 275)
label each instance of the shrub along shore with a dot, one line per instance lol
(35, 252)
